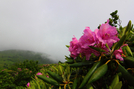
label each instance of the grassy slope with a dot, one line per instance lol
(9, 57)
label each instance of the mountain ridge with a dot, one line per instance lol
(9, 57)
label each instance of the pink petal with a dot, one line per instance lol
(28, 84)
(39, 73)
(118, 56)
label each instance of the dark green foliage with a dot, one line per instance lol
(19, 74)
(26, 70)
(6, 80)
(115, 19)
(19, 70)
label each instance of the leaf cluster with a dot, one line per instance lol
(21, 73)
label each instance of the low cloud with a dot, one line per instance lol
(47, 26)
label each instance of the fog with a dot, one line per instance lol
(48, 25)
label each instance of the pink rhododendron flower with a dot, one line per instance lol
(28, 84)
(106, 34)
(19, 69)
(87, 52)
(88, 38)
(39, 73)
(47, 76)
(118, 54)
(74, 48)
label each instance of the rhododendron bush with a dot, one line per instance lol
(100, 59)
(107, 34)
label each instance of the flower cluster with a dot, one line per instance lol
(106, 34)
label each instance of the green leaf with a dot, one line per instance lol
(108, 47)
(67, 70)
(120, 43)
(90, 86)
(48, 80)
(129, 52)
(88, 75)
(123, 31)
(129, 61)
(132, 39)
(68, 58)
(67, 46)
(97, 49)
(98, 73)
(126, 75)
(115, 81)
(128, 28)
(55, 76)
(110, 87)
(79, 64)
(118, 86)
(75, 83)
(60, 69)
(69, 61)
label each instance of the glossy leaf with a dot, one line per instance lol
(126, 75)
(128, 28)
(118, 86)
(55, 76)
(88, 75)
(129, 51)
(48, 80)
(123, 31)
(79, 64)
(98, 73)
(115, 81)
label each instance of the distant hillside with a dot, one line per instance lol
(9, 57)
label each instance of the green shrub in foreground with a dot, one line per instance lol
(6, 79)
(19, 74)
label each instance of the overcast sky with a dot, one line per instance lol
(48, 25)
